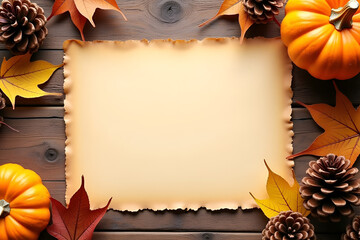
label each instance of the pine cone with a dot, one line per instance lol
(353, 230)
(22, 26)
(289, 225)
(331, 188)
(262, 11)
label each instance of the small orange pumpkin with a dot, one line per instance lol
(323, 37)
(24, 203)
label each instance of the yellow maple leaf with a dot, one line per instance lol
(20, 77)
(282, 196)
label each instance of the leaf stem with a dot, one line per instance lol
(15, 130)
(276, 21)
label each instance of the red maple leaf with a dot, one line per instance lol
(77, 221)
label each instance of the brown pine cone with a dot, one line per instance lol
(289, 225)
(262, 11)
(331, 188)
(353, 230)
(22, 26)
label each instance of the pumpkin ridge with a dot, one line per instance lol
(336, 3)
(30, 212)
(322, 62)
(311, 6)
(355, 31)
(26, 176)
(17, 169)
(3, 228)
(312, 41)
(20, 233)
(305, 20)
(38, 188)
(350, 34)
(26, 219)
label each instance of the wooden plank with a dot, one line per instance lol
(190, 236)
(310, 90)
(42, 128)
(251, 220)
(306, 89)
(40, 143)
(151, 19)
(184, 236)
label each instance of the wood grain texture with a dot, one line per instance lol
(184, 236)
(42, 128)
(149, 19)
(40, 143)
(306, 89)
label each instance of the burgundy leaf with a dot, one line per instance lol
(77, 222)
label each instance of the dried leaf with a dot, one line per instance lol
(77, 222)
(20, 77)
(233, 7)
(245, 22)
(82, 10)
(228, 7)
(87, 7)
(282, 196)
(341, 124)
(62, 6)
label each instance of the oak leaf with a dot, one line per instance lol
(77, 221)
(20, 77)
(234, 7)
(341, 124)
(282, 196)
(82, 10)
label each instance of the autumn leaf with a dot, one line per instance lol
(234, 7)
(77, 221)
(82, 10)
(20, 77)
(87, 7)
(245, 22)
(282, 196)
(341, 124)
(62, 6)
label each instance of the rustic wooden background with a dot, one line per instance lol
(40, 144)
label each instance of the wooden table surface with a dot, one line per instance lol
(40, 144)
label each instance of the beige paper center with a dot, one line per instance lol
(176, 124)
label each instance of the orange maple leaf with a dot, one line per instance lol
(341, 124)
(82, 10)
(233, 7)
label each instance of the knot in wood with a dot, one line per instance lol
(171, 12)
(51, 154)
(167, 11)
(207, 236)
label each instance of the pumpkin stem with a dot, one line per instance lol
(341, 17)
(4, 208)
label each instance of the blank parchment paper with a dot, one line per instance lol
(176, 124)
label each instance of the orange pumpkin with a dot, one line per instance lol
(24, 203)
(323, 37)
